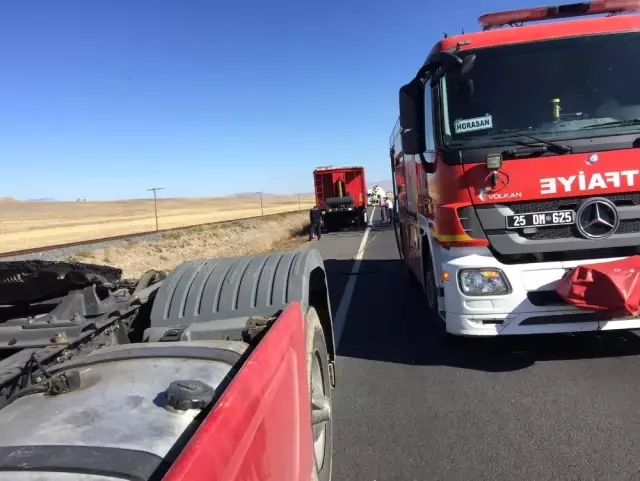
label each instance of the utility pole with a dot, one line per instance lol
(155, 202)
(299, 205)
(261, 205)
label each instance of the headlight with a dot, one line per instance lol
(483, 282)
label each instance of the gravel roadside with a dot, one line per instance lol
(66, 252)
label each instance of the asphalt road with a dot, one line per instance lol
(412, 405)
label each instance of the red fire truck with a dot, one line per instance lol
(515, 159)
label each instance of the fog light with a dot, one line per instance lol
(483, 282)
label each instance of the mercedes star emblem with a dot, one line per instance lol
(597, 219)
(593, 158)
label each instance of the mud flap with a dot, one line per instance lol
(609, 288)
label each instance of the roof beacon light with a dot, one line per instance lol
(515, 17)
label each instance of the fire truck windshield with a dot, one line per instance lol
(567, 88)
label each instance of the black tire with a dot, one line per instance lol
(430, 288)
(408, 273)
(329, 225)
(346, 200)
(410, 276)
(320, 389)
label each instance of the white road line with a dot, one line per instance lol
(345, 300)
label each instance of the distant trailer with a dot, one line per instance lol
(341, 193)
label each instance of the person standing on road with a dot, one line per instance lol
(315, 219)
(383, 210)
(390, 212)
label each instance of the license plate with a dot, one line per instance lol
(541, 219)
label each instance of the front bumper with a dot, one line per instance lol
(532, 306)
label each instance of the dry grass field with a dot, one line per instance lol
(25, 225)
(250, 236)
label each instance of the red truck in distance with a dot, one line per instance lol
(341, 193)
(515, 161)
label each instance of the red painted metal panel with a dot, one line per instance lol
(260, 428)
(616, 172)
(354, 180)
(543, 31)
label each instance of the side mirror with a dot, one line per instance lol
(449, 64)
(467, 64)
(412, 130)
(392, 157)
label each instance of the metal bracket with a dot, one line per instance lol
(332, 374)
(256, 326)
(173, 334)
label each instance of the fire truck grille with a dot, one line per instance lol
(621, 200)
(563, 242)
(631, 226)
(627, 226)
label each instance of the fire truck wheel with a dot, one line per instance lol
(410, 276)
(319, 384)
(430, 288)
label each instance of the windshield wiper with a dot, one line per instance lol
(613, 123)
(552, 147)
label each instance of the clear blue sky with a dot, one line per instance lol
(102, 99)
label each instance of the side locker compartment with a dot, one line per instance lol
(401, 201)
(414, 257)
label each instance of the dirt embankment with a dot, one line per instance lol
(243, 237)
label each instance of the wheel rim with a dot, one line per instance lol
(320, 410)
(430, 288)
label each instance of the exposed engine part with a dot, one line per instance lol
(51, 312)
(256, 326)
(35, 280)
